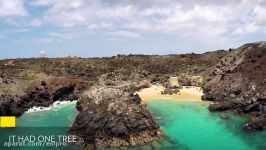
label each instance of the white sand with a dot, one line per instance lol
(186, 93)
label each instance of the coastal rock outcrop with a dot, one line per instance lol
(237, 84)
(112, 116)
(40, 94)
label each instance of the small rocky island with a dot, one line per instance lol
(111, 114)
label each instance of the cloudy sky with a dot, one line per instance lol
(91, 28)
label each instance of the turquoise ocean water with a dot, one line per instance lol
(191, 125)
(61, 115)
(188, 126)
(54, 121)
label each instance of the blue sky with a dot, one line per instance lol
(90, 28)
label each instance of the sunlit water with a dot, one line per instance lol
(191, 126)
(60, 115)
(54, 120)
(188, 125)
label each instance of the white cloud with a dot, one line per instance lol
(116, 39)
(255, 25)
(12, 8)
(205, 21)
(103, 25)
(35, 22)
(125, 34)
(63, 36)
(42, 2)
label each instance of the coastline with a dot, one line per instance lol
(190, 93)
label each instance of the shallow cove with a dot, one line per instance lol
(190, 125)
(60, 115)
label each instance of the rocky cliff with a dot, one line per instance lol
(238, 83)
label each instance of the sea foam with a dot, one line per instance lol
(55, 106)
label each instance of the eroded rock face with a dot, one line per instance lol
(237, 83)
(111, 117)
(63, 91)
(41, 94)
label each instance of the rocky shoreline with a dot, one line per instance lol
(40, 94)
(238, 83)
(110, 113)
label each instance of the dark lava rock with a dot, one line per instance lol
(63, 91)
(114, 118)
(134, 99)
(6, 102)
(221, 106)
(43, 83)
(237, 84)
(257, 123)
(170, 91)
(262, 98)
(38, 96)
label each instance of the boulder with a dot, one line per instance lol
(221, 106)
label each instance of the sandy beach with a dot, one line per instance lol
(186, 93)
